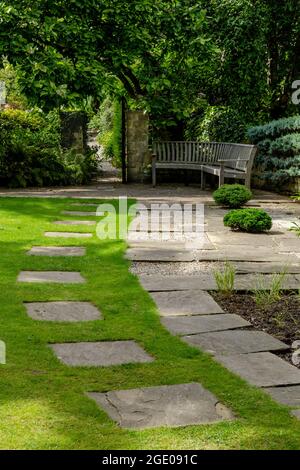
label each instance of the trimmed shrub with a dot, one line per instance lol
(232, 195)
(248, 220)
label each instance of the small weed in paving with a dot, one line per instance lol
(225, 279)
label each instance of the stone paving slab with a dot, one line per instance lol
(57, 251)
(286, 395)
(262, 369)
(290, 245)
(67, 235)
(206, 281)
(104, 353)
(203, 323)
(80, 213)
(63, 311)
(61, 277)
(265, 267)
(235, 342)
(75, 222)
(239, 238)
(170, 405)
(137, 254)
(296, 413)
(185, 303)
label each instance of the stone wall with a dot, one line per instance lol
(137, 146)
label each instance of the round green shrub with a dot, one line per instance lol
(232, 195)
(248, 220)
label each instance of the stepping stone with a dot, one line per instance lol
(105, 353)
(185, 303)
(286, 395)
(262, 369)
(290, 245)
(296, 413)
(75, 222)
(63, 311)
(235, 342)
(57, 251)
(170, 405)
(67, 235)
(61, 277)
(80, 213)
(239, 238)
(203, 324)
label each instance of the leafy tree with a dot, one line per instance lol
(154, 51)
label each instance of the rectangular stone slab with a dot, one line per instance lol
(256, 267)
(262, 369)
(63, 311)
(235, 342)
(104, 353)
(136, 254)
(67, 235)
(185, 303)
(286, 395)
(80, 213)
(169, 405)
(75, 222)
(203, 323)
(160, 283)
(57, 251)
(61, 277)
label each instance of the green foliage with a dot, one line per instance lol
(108, 122)
(30, 152)
(14, 96)
(217, 124)
(274, 129)
(266, 295)
(232, 195)
(225, 279)
(248, 220)
(278, 161)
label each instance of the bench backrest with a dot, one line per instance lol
(236, 156)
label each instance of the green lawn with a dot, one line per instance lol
(43, 403)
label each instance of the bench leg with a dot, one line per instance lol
(202, 179)
(154, 172)
(221, 176)
(248, 181)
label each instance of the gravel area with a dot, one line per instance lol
(174, 269)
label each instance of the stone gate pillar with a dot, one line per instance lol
(137, 145)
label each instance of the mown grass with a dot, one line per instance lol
(43, 403)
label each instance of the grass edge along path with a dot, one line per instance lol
(43, 403)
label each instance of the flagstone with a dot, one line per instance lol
(81, 213)
(151, 255)
(63, 311)
(169, 405)
(57, 251)
(104, 353)
(61, 277)
(75, 222)
(67, 235)
(266, 267)
(262, 369)
(185, 303)
(235, 342)
(203, 323)
(286, 395)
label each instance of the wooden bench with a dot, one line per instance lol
(220, 159)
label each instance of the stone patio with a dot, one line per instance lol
(185, 303)
(203, 324)
(172, 405)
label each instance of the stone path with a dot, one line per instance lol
(186, 310)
